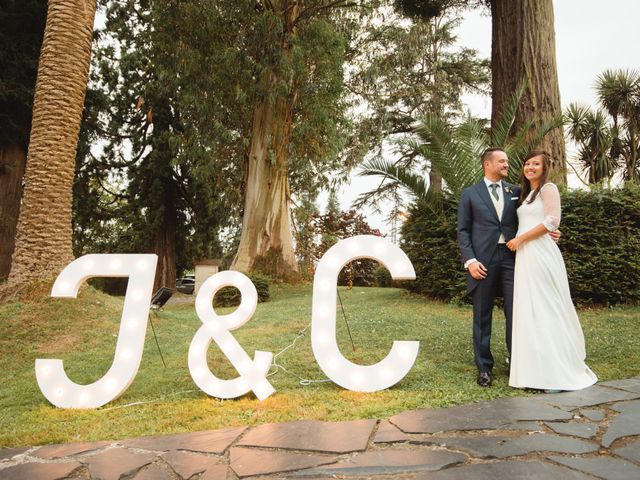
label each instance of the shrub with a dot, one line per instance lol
(600, 244)
(382, 277)
(230, 296)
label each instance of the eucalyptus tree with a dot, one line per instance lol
(21, 31)
(43, 240)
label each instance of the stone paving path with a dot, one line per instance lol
(593, 433)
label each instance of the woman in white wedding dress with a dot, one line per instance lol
(547, 349)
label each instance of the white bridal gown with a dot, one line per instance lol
(547, 345)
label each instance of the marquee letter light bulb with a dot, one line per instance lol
(218, 328)
(50, 374)
(349, 375)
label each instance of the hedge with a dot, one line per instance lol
(600, 244)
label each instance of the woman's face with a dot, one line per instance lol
(534, 168)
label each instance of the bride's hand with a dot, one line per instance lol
(514, 244)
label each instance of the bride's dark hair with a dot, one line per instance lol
(526, 184)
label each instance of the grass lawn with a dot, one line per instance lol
(83, 332)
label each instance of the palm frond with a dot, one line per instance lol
(501, 128)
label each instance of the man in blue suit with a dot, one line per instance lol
(487, 220)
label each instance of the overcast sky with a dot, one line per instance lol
(591, 36)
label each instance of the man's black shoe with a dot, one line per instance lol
(484, 379)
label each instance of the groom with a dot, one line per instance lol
(487, 220)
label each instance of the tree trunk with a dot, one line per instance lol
(43, 241)
(266, 224)
(13, 159)
(524, 49)
(164, 245)
(266, 227)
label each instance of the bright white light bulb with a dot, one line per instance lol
(142, 265)
(132, 324)
(115, 264)
(111, 385)
(405, 352)
(88, 265)
(126, 354)
(64, 287)
(59, 392)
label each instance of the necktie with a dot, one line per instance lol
(494, 191)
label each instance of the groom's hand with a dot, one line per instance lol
(478, 271)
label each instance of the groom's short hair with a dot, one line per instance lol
(488, 152)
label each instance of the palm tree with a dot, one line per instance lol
(454, 152)
(43, 239)
(619, 94)
(594, 136)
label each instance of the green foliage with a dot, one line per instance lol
(600, 244)
(382, 277)
(230, 296)
(21, 31)
(430, 242)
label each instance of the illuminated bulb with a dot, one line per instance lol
(322, 338)
(111, 385)
(132, 324)
(142, 265)
(324, 285)
(357, 378)
(387, 373)
(405, 352)
(202, 304)
(115, 264)
(353, 247)
(401, 266)
(88, 264)
(59, 392)
(333, 364)
(64, 286)
(46, 370)
(323, 310)
(126, 354)
(199, 372)
(228, 345)
(380, 248)
(84, 397)
(136, 294)
(213, 327)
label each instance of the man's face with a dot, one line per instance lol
(496, 166)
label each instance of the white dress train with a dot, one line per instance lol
(548, 350)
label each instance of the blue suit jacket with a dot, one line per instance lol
(479, 227)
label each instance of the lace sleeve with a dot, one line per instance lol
(551, 202)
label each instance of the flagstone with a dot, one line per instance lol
(625, 424)
(602, 467)
(583, 430)
(335, 437)
(211, 441)
(247, 462)
(188, 464)
(628, 384)
(593, 414)
(388, 433)
(115, 462)
(511, 469)
(631, 451)
(394, 461)
(39, 471)
(9, 453)
(67, 449)
(587, 397)
(153, 472)
(495, 414)
(501, 446)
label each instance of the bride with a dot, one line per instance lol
(548, 349)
